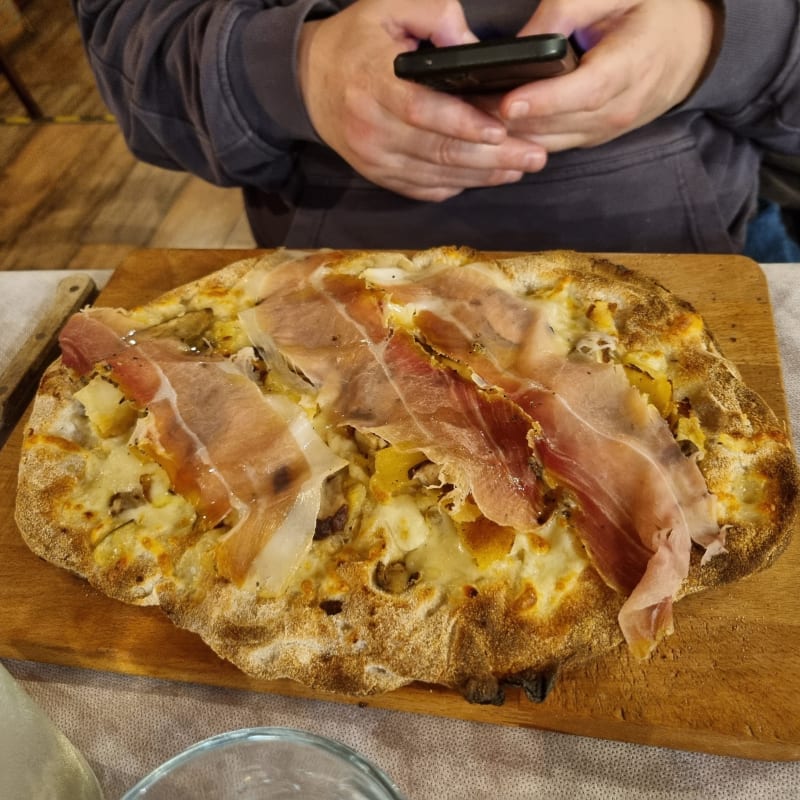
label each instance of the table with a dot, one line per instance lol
(125, 726)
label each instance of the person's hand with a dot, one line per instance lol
(407, 138)
(644, 57)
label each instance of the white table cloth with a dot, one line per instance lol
(24, 297)
(126, 726)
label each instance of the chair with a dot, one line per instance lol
(25, 97)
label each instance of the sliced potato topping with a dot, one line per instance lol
(393, 472)
(486, 540)
(106, 407)
(657, 389)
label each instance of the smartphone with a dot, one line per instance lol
(495, 65)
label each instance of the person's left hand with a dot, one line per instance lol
(643, 58)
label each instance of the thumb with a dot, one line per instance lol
(551, 16)
(443, 23)
(567, 16)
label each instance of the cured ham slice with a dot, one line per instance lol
(641, 501)
(231, 449)
(206, 424)
(380, 381)
(92, 335)
(479, 438)
(237, 455)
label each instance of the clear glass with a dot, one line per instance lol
(268, 764)
(37, 761)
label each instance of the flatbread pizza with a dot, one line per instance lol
(359, 470)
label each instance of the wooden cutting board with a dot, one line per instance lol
(727, 682)
(41, 302)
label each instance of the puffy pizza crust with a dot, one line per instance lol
(381, 636)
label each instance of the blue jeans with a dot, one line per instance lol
(768, 241)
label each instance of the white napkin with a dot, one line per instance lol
(25, 297)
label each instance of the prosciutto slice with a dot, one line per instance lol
(381, 381)
(237, 455)
(641, 501)
(92, 335)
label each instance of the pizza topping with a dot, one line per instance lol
(92, 335)
(271, 556)
(237, 455)
(125, 501)
(108, 409)
(161, 379)
(381, 381)
(394, 578)
(641, 502)
(455, 371)
(657, 389)
(328, 526)
(190, 328)
(479, 439)
(394, 471)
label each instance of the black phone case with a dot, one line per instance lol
(487, 67)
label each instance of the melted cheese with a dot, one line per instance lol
(131, 502)
(549, 561)
(128, 499)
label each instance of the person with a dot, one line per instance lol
(652, 144)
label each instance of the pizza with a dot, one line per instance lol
(359, 470)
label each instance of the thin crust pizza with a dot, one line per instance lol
(359, 470)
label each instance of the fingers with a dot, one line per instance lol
(442, 23)
(408, 155)
(445, 131)
(648, 57)
(600, 80)
(567, 16)
(436, 112)
(605, 72)
(458, 163)
(422, 184)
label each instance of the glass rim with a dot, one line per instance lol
(269, 734)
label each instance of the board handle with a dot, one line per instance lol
(20, 378)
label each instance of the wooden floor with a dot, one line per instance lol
(71, 195)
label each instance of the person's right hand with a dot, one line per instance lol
(415, 141)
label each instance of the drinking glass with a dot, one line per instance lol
(37, 761)
(267, 764)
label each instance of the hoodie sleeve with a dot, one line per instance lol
(753, 87)
(203, 86)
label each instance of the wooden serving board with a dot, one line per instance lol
(727, 682)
